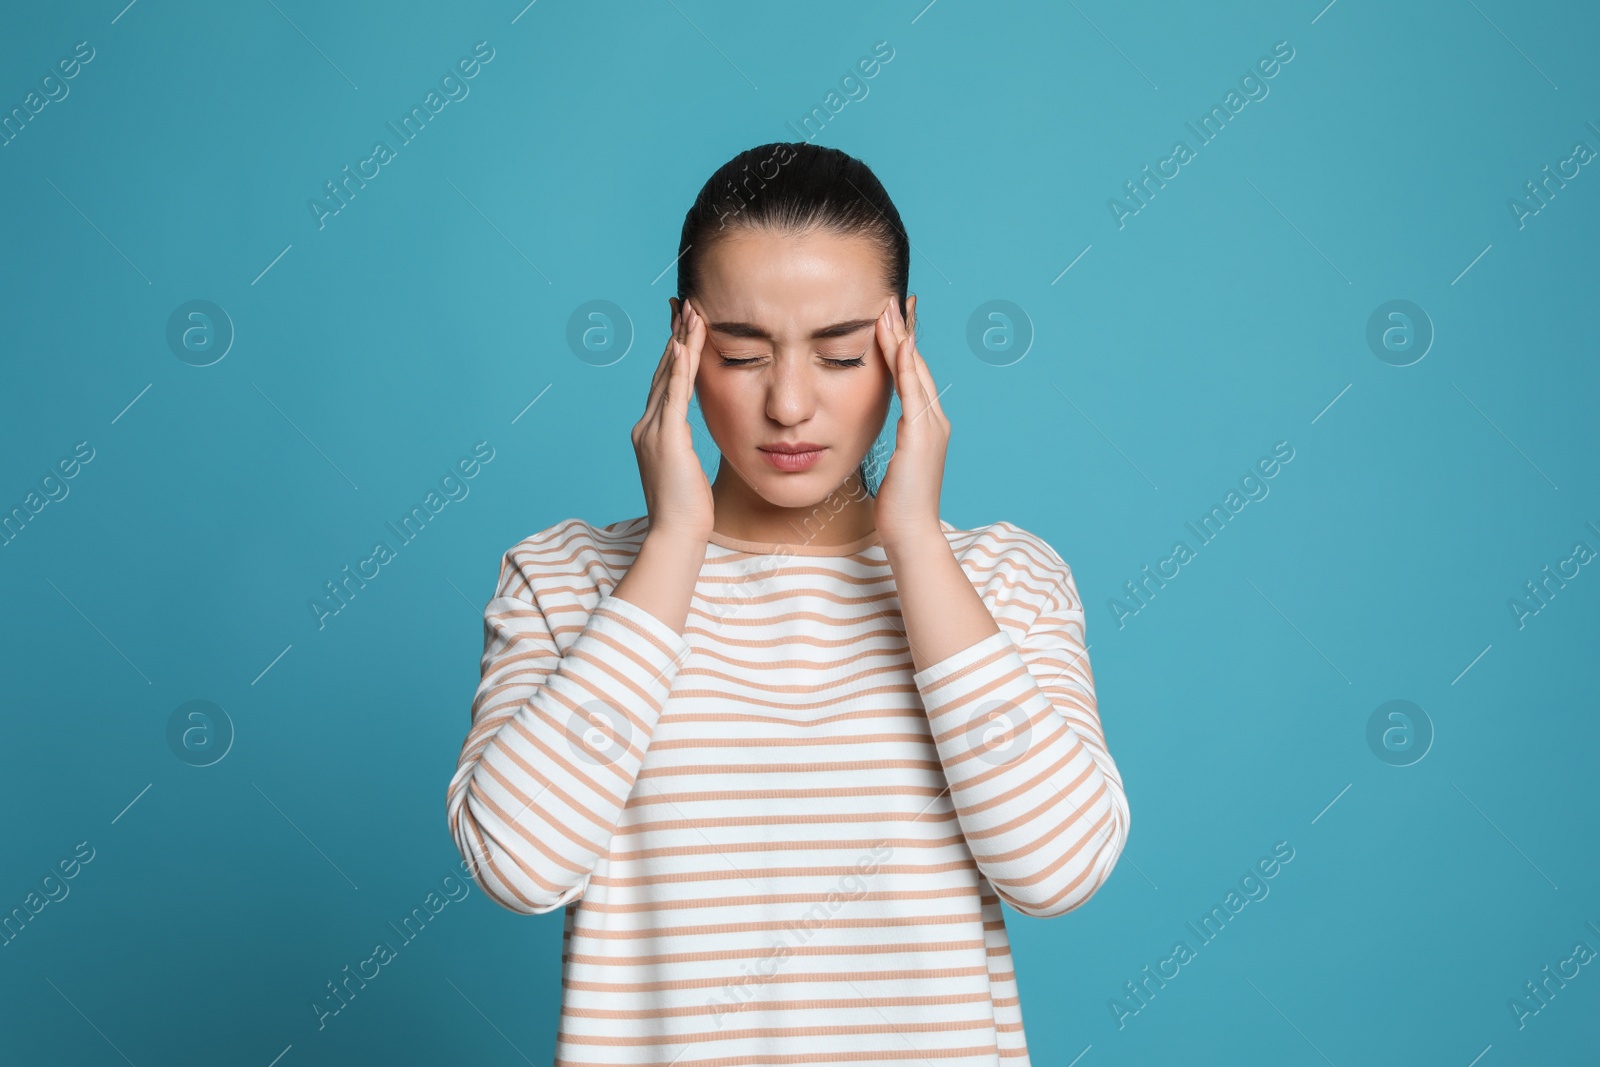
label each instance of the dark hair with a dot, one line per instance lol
(792, 187)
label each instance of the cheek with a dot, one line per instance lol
(860, 403)
(721, 406)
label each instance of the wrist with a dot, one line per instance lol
(666, 539)
(911, 541)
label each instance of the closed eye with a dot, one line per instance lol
(857, 361)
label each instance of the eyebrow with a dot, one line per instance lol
(751, 330)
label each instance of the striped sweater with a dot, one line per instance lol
(775, 842)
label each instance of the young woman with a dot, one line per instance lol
(782, 745)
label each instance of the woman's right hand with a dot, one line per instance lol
(676, 491)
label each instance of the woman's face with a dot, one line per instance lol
(791, 356)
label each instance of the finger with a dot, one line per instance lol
(925, 394)
(888, 345)
(697, 333)
(925, 376)
(659, 378)
(681, 384)
(897, 320)
(905, 379)
(663, 373)
(675, 401)
(914, 397)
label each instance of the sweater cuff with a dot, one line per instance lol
(949, 680)
(620, 618)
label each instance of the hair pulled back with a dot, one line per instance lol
(792, 187)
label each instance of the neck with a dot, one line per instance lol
(843, 516)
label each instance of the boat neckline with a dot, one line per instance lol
(767, 548)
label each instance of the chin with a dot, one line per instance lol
(792, 492)
(799, 489)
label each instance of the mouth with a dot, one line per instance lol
(793, 457)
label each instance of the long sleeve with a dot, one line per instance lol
(557, 736)
(1036, 792)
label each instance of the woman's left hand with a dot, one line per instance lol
(907, 505)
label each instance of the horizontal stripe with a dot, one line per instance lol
(774, 841)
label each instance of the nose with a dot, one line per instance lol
(791, 396)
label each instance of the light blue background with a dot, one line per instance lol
(1229, 314)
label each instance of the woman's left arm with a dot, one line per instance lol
(1036, 793)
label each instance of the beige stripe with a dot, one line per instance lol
(598, 933)
(818, 871)
(958, 892)
(921, 974)
(723, 848)
(773, 1032)
(763, 951)
(638, 800)
(691, 1010)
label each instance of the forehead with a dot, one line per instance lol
(792, 281)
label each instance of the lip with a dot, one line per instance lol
(793, 457)
(797, 446)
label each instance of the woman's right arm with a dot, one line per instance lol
(558, 737)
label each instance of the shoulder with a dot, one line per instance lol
(572, 556)
(1012, 566)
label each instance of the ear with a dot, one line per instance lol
(911, 312)
(673, 302)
